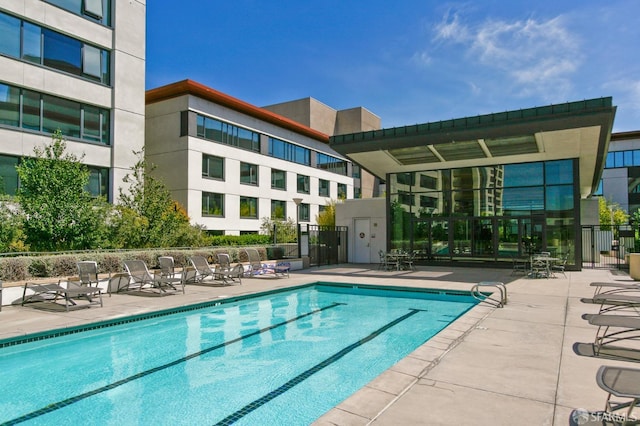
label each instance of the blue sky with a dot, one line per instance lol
(408, 61)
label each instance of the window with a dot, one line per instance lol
(8, 175)
(278, 209)
(323, 188)
(212, 204)
(30, 42)
(228, 134)
(95, 10)
(45, 113)
(304, 212)
(303, 184)
(428, 182)
(356, 172)
(278, 179)
(248, 208)
(332, 164)
(290, 152)
(212, 167)
(342, 191)
(249, 174)
(98, 185)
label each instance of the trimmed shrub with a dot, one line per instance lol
(39, 267)
(62, 266)
(14, 268)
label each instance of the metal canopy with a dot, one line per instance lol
(571, 130)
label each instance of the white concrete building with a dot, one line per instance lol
(621, 176)
(231, 164)
(77, 66)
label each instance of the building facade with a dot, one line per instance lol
(232, 164)
(621, 175)
(77, 66)
(489, 188)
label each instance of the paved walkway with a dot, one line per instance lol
(506, 366)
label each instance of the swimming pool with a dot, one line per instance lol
(282, 357)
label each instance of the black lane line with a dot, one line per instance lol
(232, 418)
(57, 405)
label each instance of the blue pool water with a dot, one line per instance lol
(278, 358)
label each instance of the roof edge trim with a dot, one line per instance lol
(190, 87)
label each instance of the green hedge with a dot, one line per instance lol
(63, 265)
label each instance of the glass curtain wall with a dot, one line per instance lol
(491, 213)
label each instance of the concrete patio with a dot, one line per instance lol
(492, 366)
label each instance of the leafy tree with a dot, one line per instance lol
(11, 233)
(285, 230)
(59, 213)
(146, 215)
(327, 217)
(611, 214)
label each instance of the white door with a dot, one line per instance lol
(362, 245)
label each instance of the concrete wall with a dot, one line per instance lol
(373, 209)
(125, 97)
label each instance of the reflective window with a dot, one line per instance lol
(98, 185)
(10, 40)
(290, 152)
(44, 113)
(212, 204)
(228, 134)
(278, 209)
(342, 191)
(248, 207)
(248, 174)
(323, 188)
(9, 105)
(95, 10)
(303, 184)
(52, 49)
(559, 198)
(332, 164)
(8, 175)
(212, 167)
(278, 179)
(61, 114)
(304, 212)
(558, 172)
(526, 174)
(518, 201)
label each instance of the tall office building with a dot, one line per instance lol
(77, 66)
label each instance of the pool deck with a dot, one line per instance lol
(492, 366)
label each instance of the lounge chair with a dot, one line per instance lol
(621, 383)
(615, 287)
(614, 301)
(54, 292)
(88, 273)
(204, 271)
(613, 329)
(257, 268)
(142, 279)
(231, 273)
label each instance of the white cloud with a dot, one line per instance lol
(536, 56)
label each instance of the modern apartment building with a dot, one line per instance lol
(77, 66)
(231, 163)
(621, 176)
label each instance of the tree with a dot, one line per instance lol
(59, 213)
(327, 217)
(11, 233)
(285, 230)
(611, 214)
(147, 216)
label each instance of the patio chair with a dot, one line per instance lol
(256, 267)
(622, 383)
(229, 272)
(613, 329)
(383, 265)
(204, 271)
(615, 287)
(614, 302)
(519, 265)
(407, 263)
(560, 266)
(54, 292)
(88, 273)
(142, 279)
